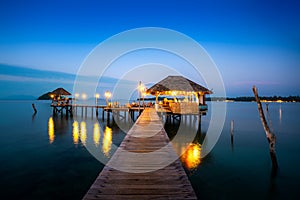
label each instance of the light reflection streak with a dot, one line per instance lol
(51, 130)
(280, 114)
(97, 134)
(107, 140)
(75, 132)
(83, 132)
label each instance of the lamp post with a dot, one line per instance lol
(143, 95)
(139, 86)
(107, 95)
(76, 97)
(141, 89)
(84, 97)
(96, 98)
(52, 97)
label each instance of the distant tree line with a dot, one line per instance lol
(241, 99)
(249, 99)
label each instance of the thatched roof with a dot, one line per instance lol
(177, 83)
(60, 91)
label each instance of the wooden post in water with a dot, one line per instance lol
(35, 110)
(199, 124)
(270, 136)
(102, 114)
(231, 132)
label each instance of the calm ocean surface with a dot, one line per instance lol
(44, 156)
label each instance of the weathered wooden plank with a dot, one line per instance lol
(144, 156)
(138, 197)
(141, 191)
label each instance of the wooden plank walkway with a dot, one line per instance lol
(141, 166)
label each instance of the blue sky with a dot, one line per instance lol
(251, 41)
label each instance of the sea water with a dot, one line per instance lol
(242, 168)
(49, 157)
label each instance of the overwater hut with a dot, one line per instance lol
(174, 86)
(60, 96)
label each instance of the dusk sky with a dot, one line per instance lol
(251, 41)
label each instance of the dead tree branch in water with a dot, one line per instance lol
(270, 136)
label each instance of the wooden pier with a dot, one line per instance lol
(149, 166)
(70, 109)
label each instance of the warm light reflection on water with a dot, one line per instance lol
(75, 132)
(191, 158)
(280, 114)
(51, 130)
(97, 134)
(107, 140)
(83, 132)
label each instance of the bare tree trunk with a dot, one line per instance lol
(270, 136)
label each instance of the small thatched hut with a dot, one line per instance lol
(180, 86)
(58, 96)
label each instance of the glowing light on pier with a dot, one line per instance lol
(107, 140)
(141, 87)
(75, 132)
(192, 156)
(83, 96)
(97, 96)
(83, 133)
(107, 95)
(97, 134)
(51, 130)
